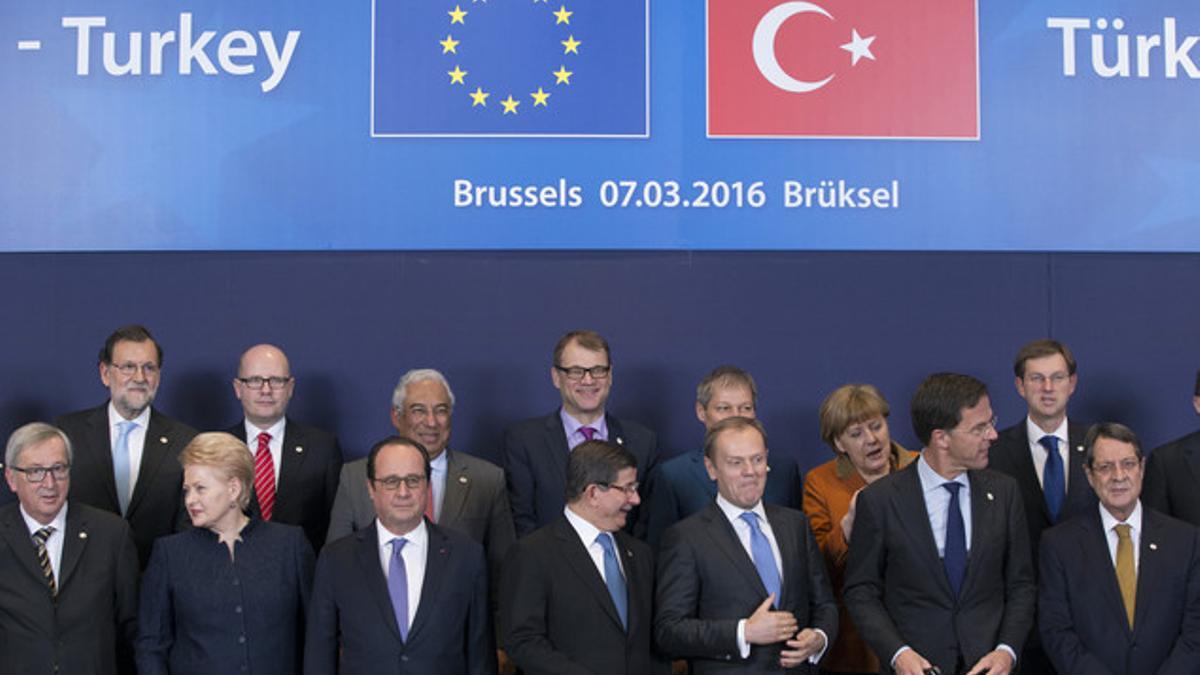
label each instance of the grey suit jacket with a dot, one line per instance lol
(90, 627)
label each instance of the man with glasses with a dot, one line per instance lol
(296, 466)
(403, 595)
(536, 450)
(68, 572)
(1119, 589)
(939, 573)
(577, 593)
(125, 450)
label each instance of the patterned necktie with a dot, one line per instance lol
(397, 583)
(429, 500)
(764, 557)
(264, 476)
(613, 578)
(588, 433)
(1052, 476)
(121, 471)
(1126, 575)
(955, 558)
(43, 556)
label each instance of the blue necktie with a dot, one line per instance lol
(613, 578)
(1052, 477)
(764, 558)
(398, 586)
(955, 558)
(121, 463)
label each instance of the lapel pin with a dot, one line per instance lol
(990, 497)
(628, 554)
(299, 448)
(83, 535)
(462, 479)
(1153, 546)
(620, 441)
(1079, 448)
(162, 439)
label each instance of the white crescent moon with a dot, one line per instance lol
(764, 46)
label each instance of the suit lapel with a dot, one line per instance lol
(291, 462)
(571, 548)
(437, 559)
(555, 437)
(1192, 459)
(615, 433)
(1079, 492)
(1100, 566)
(700, 474)
(633, 582)
(910, 502)
(154, 451)
(726, 540)
(75, 539)
(100, 443)
(1028, 474)
(17, 536)
(369, 565)
(983, 503)
(454, 492)
(1150, 566)
(789, 550)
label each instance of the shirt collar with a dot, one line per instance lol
(734, 512)
(440, 462)
(1109, 521)
(59, 523)
(142, 421)
(572, 425)
(276, 430)
(586, 531)
(415, 537)
(1035, 432)
(932, 480)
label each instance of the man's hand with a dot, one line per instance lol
(848, 519)
(766, 627)
(911, 663)
(996, 662)
(806, 643)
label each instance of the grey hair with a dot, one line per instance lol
(33, 434)
(418, 375)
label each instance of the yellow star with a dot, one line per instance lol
(510, 105)
(539, 98)
(457, 15)
(563, 15)
(479, 97)
(571, 45)
(562, 75)
(457, 75)
(449, 45)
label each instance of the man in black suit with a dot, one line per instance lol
(403, 595)
(125, 451)
(576, 594)
(536, 450)
(1044, 453)
(939, 572)
(1173, 474)
(1119, 590)
(296, 466)
(742, 585)
(68, 572)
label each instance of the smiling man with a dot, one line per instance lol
(536, 450)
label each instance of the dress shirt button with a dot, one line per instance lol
(404, 657)
(241, 639)
(238, 609)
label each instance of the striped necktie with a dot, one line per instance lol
(43, 556)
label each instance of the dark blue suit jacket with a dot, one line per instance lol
(681, 487)
(1082, 618)
(352, 627)
(535, 461)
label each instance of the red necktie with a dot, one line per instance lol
(264, 476)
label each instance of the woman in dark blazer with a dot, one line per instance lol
(229, 595)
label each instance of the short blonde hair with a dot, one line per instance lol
(225, 453)
(848, 405)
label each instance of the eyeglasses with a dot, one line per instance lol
(420, 412)
(629, 490)
(392, 483)
(1056, 379)
(257, 382)
(37, 474)
(577, 372)
(981, 428)
(131, 369)
(1106, 469)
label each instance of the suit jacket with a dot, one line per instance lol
(1172, 482)
(535, 460)
(1083, 623)
(707, 583)
(557, 617)
(1010, 455)
(156, 505)
(89, 628)
(352, 627)
(896, 586)
(309, 463)
(681, 486)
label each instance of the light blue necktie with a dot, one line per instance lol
(398, 586)
(1052, 477)
(613, 578)
(764, 558)
(121, 463)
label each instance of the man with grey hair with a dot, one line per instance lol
(466, 493)
(68, 572)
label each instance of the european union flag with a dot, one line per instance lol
(510, 68)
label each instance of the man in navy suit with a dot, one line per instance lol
(1173, 474)
(296, 466)
(536, 450)
(681, 485)
(1119, 590)
(402, 595)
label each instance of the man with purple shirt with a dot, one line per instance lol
(536, 450)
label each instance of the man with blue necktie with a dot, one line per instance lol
(742, 585)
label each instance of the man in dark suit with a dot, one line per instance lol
(681, 485)
(68, 572)
(742, 585)
(403, 595)
(125, 452)
(939, 572)
(1173, 474)
(536, 450)
(1119, 589)
(296, 466)
(1044, 453)
(577, 594)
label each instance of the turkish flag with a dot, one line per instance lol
(843, 68)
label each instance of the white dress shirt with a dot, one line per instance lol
(1109, 522)
(437, 483)
(274, 446)
(587, 534)
(1039, 452)
(414, 553)
(54, 543)
(136, 439)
